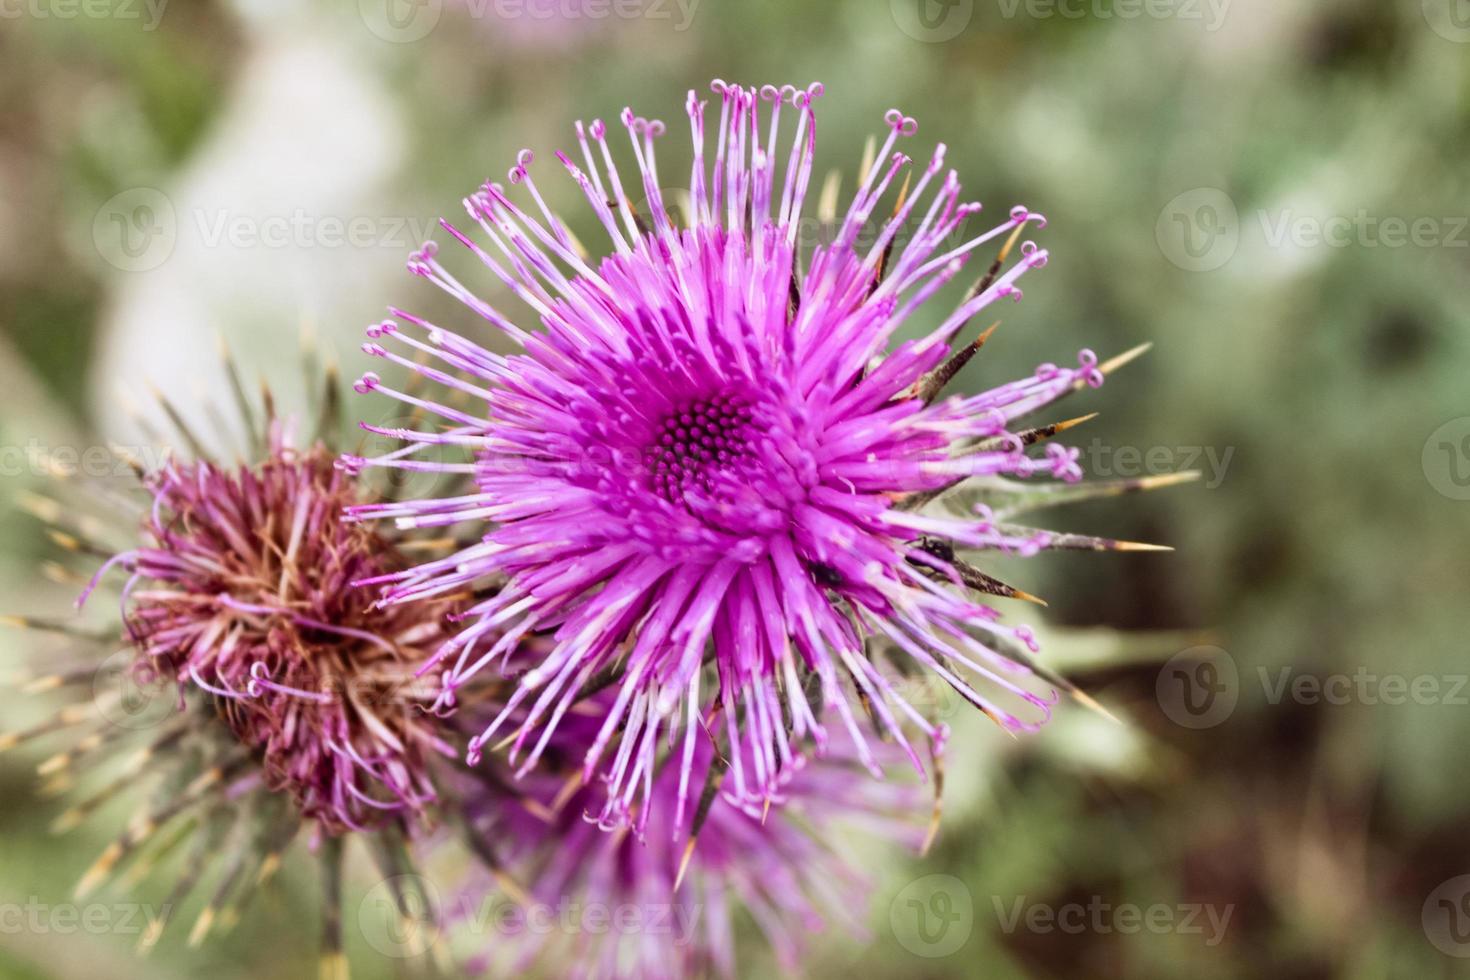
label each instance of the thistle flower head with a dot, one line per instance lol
(606, 905)
(252, 694)
(704, 472)
(242, 591)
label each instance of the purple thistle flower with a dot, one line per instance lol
(703, 475)
(606, 905)
(242, 591)
(251, 693)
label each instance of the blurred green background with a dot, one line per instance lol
(1274, 192)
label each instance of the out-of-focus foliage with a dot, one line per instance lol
(1306, 377)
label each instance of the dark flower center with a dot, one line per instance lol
(700, 440)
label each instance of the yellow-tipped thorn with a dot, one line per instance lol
(1005, 250)
(128, 457)
(58, 786)
(39, 507)
(63, 540)
(426, 544)
(268, 868)
(577, 245)
(684, 862)
(1028, 597)
(54, 765)
(1139, 546)
(1088, 701)
(150, 937)
(1169, 479)
(334, 967)
(14, 622)
(141, 829)
(903, 193)
(137, 874)
(501, 745)
(870, 156)
(60, 574)
(155, 392)
(204, 780)
(998, 723)
(1073, 423)
(936, 813)
(513, 888)
(9, 741)
(1113, 363)
(931, 833)
(568, 790)
(41, 685)
(202, 925)
(69, 820)
(138, 760)
(827, 200)
(98, 872)
(74, 714)
(538, 810)
(422, 935)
